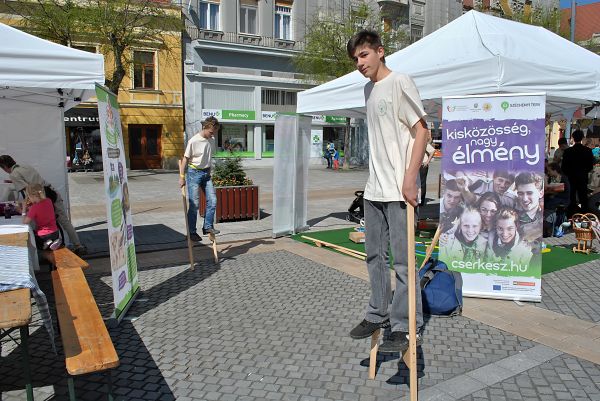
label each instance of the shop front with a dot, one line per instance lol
(84, 151)
(243, 134)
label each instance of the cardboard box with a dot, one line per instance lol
(357, 236)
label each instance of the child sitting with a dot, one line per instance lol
(39, 209)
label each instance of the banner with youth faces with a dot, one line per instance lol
(491, 212)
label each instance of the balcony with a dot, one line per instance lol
(243, 39)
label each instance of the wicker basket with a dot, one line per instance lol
(583, 234)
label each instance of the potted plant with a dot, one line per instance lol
(237, 197)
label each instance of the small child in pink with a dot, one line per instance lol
(41, 211)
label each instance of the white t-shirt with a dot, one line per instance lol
(393, 108)
(199, 151)
(428, 151)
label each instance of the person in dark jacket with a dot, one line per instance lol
(577, 163)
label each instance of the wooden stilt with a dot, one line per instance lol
(213, 239)
(373, 353)
(187, 227)
(410, 356)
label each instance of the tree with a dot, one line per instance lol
(117, 25)
(324, 56)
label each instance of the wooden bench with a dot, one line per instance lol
(87, 345)
(64, 258)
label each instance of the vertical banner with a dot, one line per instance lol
(118, 211)
(491, 211)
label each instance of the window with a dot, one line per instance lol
(283, 22)
(248, 19)
(416, 33)
(275, 97)
(85, 48)
(143, 70)
(209, 15)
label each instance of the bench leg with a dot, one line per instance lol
(373, 354)
(71, 389)
(109, 385)
(25, 349)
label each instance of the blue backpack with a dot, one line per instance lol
(441, 289)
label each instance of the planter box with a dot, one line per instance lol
(234, 203)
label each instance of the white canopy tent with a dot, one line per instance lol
(476, 54)
(39, 80)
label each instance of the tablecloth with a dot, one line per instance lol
(16, 271)
(14, 226)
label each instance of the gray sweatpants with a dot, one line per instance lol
(385, 228)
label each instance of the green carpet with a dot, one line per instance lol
(557, 259)
(560, 258)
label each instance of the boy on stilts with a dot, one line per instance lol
(397, 140)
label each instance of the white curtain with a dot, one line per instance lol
(290, 174)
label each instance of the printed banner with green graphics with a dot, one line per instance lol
(491, 211)
(118, 208)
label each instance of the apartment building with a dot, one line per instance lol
(238, 66)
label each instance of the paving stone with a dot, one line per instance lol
(258, 326)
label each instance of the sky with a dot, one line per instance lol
(567, 3)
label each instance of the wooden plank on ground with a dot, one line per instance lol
(344, 250)
(15, 308)
(87, 345)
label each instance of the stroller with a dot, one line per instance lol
(358, 203)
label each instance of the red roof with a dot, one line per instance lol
(587, 21)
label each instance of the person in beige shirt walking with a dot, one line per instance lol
(197, 159)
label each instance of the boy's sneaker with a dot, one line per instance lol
(195, 237)
(210, 230)
(398, 342)
(366, 329)
(54, 245)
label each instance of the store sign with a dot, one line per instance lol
(82, 117)
(211, 113)
(335, 120)
(229, 114)
(268, 115)
(272, 115)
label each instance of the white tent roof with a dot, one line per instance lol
(32, 70)
(476, 54)
(39, 80)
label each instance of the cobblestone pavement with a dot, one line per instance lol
(275, 326)
(573, 291)
(561, 378)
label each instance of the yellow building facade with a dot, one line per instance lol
(151, 100)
